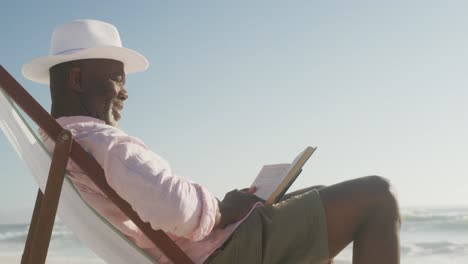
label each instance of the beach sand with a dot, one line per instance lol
(51, 260)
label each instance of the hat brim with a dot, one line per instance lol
(38, 69)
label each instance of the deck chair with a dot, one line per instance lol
(57, 192)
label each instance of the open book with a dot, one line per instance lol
(274, 180)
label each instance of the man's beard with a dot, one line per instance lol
(110, 115)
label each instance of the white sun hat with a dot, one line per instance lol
(84, 39)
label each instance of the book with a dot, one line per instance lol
(274, 180)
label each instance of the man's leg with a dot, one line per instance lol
(363, 211)
(300, 191)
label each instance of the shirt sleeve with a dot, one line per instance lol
(146, 181)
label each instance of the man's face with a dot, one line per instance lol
(102, 82)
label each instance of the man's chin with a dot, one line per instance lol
(113, 118)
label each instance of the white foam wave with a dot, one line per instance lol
(14, 233)
(435, 219)
(446, 248)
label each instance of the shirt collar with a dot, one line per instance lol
(68, 120)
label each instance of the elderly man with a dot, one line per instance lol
(86, 73)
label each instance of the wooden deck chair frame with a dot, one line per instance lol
(45, 209)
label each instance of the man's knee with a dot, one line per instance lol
(378, 184)
(384, 196)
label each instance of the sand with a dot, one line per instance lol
(61, 260)
(50, 260)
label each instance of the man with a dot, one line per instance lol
(86, 73)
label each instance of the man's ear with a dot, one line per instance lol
(74, 79)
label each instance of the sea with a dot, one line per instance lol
(429, 235)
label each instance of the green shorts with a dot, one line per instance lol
(292, 231)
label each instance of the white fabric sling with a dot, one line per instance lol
(90, 228)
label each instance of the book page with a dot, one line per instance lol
(274, 180)
(268, 179)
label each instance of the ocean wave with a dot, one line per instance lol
(435, 219)
(19, 232)
(434, 248)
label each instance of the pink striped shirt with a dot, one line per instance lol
(183, 209)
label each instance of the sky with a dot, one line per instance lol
(380, 87)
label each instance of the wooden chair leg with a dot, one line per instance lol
(32, 227)
(41, 226)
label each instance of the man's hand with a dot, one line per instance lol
(235, 205)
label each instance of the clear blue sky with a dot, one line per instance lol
(380, 87)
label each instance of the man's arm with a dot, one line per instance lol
(146, 181)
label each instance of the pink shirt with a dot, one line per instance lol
(183, 209)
